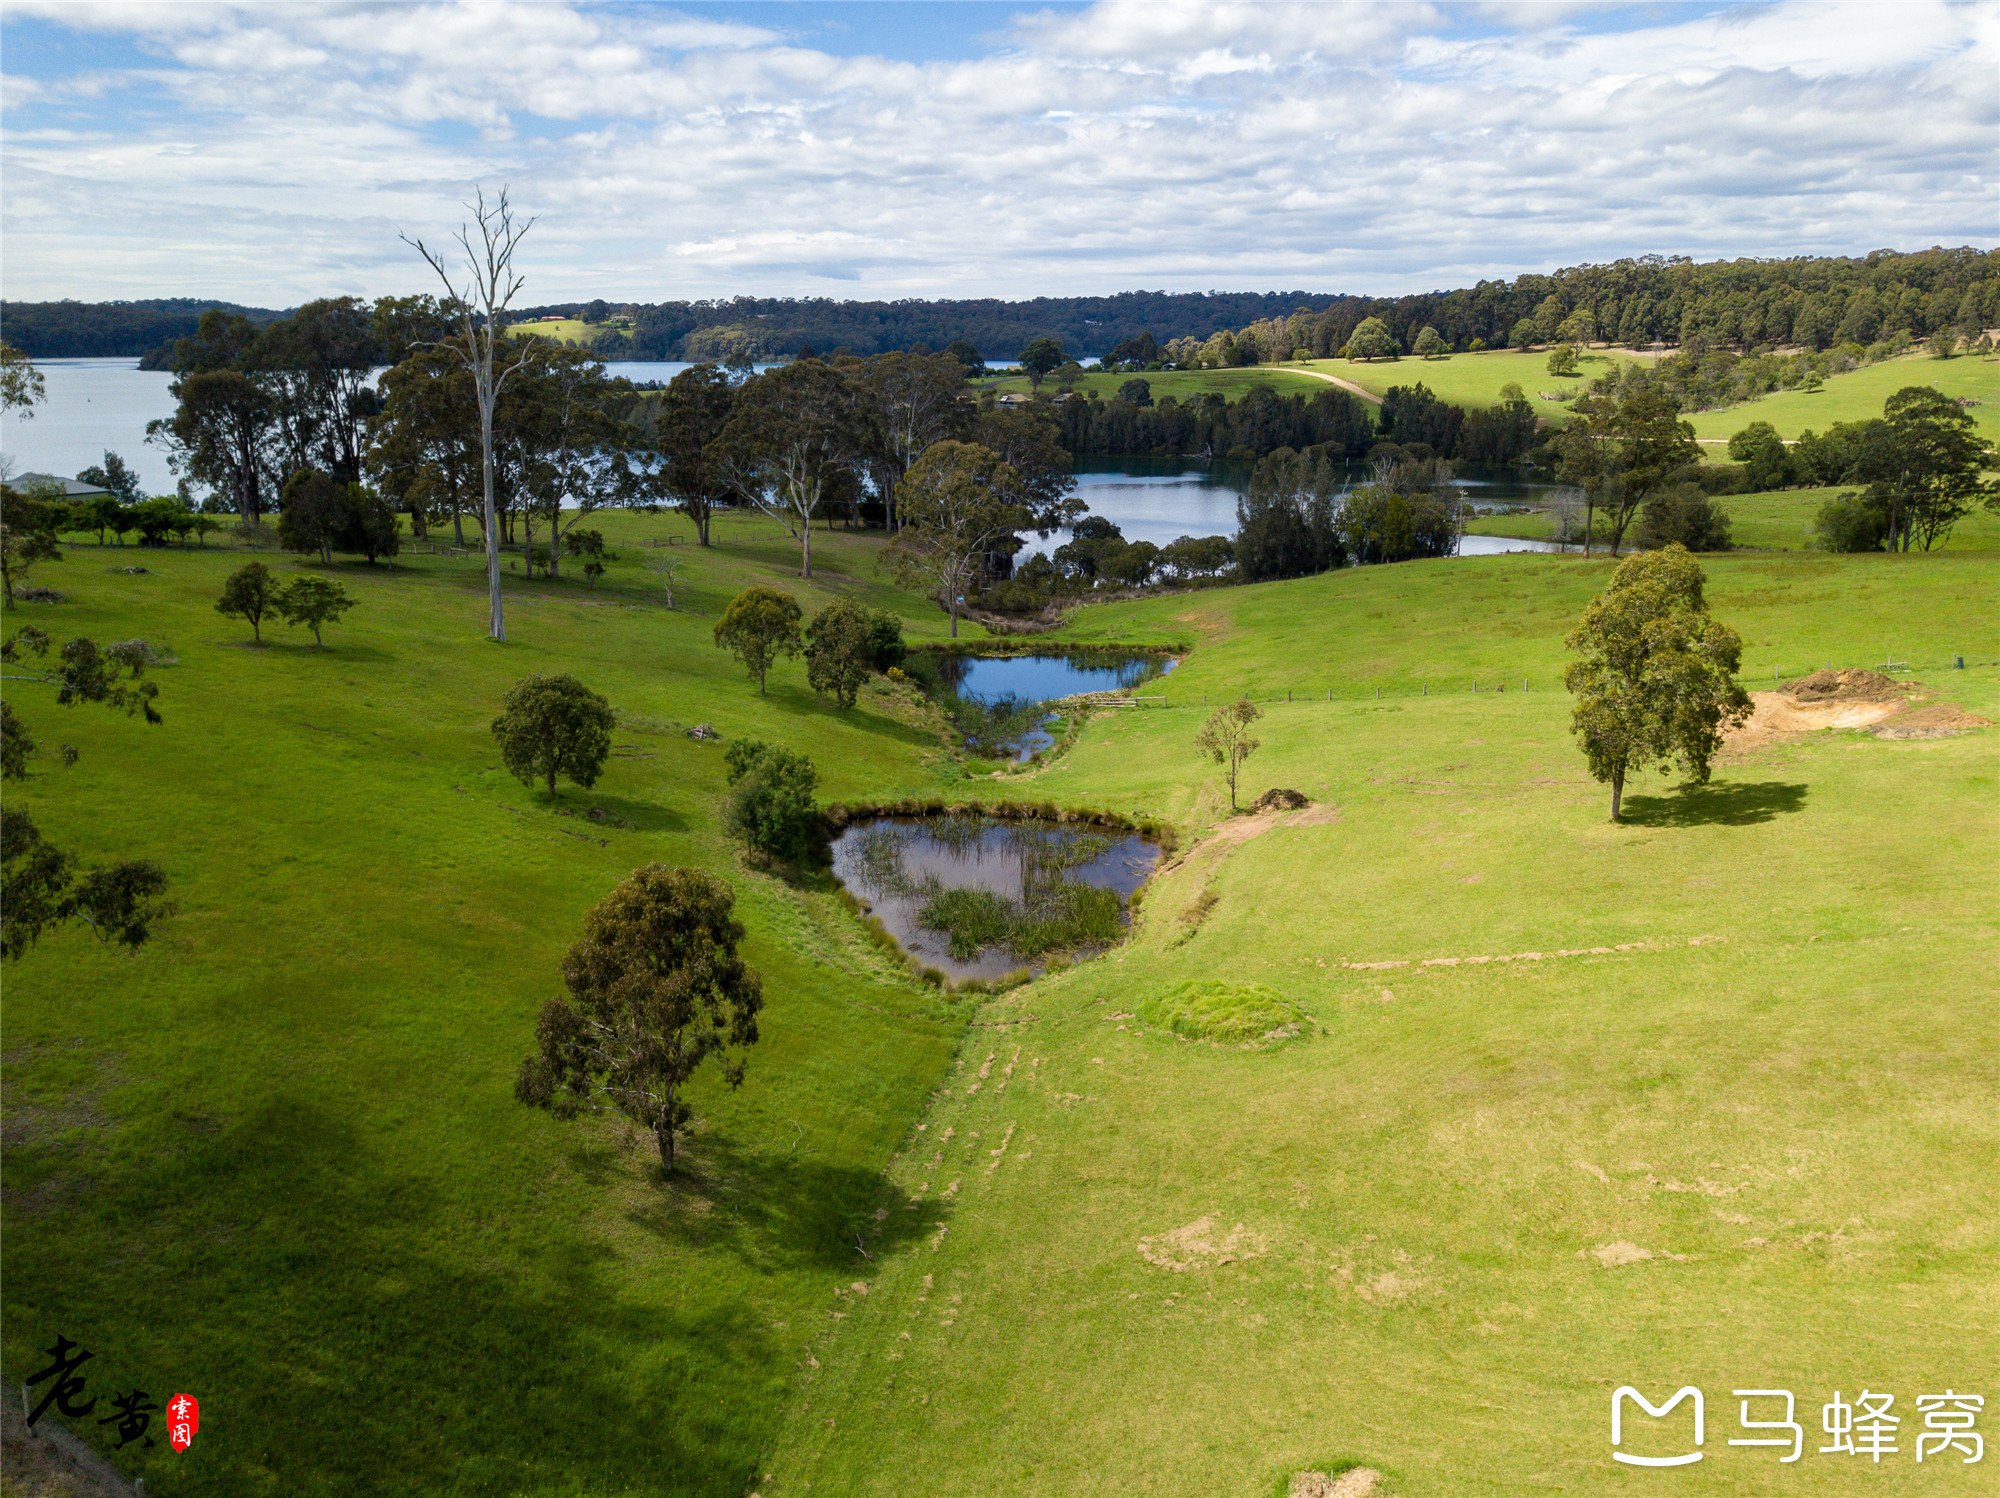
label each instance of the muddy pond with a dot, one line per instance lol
(980, 897)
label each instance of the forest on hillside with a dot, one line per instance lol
(1814, 301)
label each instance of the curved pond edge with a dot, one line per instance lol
(836, 817)
(1008, 645)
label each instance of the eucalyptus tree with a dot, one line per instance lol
(961, 502)
(920, 399)
(688, 418)
(796, 433)
(489, 283)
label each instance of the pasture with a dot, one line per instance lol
(1025, 1244)
(1704, 1098)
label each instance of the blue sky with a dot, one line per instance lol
(272, 152)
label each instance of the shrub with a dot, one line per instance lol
(1683, 514)
(840, 649)
(770, 804)
(1849, 522)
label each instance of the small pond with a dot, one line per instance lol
(979, 897)
(995, 701)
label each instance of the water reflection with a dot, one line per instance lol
(1162, 499)
(979, 897)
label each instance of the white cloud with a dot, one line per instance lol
(1322, 146)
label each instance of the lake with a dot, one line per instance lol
(95, 404)
(1162, 499)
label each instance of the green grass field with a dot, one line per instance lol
(1179, 1268)
(1476, 380)
(1182, 385)
(1781, 520)
(567, 330)
(274, 1159)
(1858, 396)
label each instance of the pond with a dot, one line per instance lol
(981, 897)
(1162, 499)
(995, 701)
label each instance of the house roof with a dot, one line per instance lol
(69, 488)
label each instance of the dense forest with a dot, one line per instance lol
(1813, 302)
(109, 330)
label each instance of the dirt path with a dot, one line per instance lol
(1348, 385)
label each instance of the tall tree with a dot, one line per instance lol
(656, 989)
(115, 475)
(1928, 472)
(573, 449)
(1029, 441)
(27, 535)
(691, 414)
(795, 434)
(920, 399)
(219, 436)
(1371, 340)
(315, 365)
(425, 440)
(1620, 448)
(489, 285)
(960, 502)
(1655, 676)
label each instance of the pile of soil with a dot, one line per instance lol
(1937, 720)
(1846, 686)
(1280, 799)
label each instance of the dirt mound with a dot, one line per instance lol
(1777, 717)
(1847, 686)
(1278, 798)
(1938, 720)
(1198, 1246)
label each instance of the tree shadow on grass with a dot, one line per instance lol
(1726, 805)
(346, 1335)
(780, 1208)
(643, 816)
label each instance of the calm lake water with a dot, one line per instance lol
(1162, 499)
(99, 404)
(901, 866)
(95, 404)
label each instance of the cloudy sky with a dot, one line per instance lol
(271, 152)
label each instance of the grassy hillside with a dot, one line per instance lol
(1781, 520)
(1703, 1098)
(274, 1159)
(1476, 380)
(1858, 396)
(566, 330)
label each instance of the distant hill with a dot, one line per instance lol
(108, 330)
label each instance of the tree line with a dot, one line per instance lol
(1814, 302)
(112, 330)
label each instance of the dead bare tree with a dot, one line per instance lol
(490, 284)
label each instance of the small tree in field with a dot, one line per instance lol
(1371, 339)
(770, 803)
(1431, 345)
(760, 625)
(1225, 738)
(250, 594)
(655, 989)
(1655, 678)
(1562, 359)
(554, 726)
(840, 650)
(314, 602)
